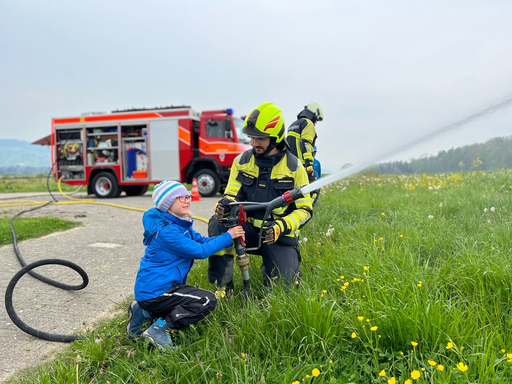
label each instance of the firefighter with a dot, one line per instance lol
(261, 174)
(302, 136)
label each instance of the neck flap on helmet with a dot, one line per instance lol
(306, 113)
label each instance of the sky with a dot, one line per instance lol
(385, 72)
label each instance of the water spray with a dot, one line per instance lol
(438, 132)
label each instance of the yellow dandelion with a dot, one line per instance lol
(360, 318)
(440, 367)
(296, 282)
(367, 320)
(431, 363)
(401, 353)
(414, 344)
(509, 355)
(503, 351)
(324, 291)
(382, 373)
(383, 214)
(392, 381)
(315, 372)
(366, 268)
(244, 356)
(322, 295)
(296, 382)
(342, 277)
(415, 374)
(462, 367)
(381, 238)
(449, 345)
(307, 376)
(330, 361)
(401, 235)
(353, 335)
(408, 381)
(374, 328)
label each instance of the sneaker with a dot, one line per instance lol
(136, 316)
(160, 335)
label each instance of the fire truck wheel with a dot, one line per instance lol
(208, 183)
(104, 185)
(135, 190)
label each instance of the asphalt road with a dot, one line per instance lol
(108, 247)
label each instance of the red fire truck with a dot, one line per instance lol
(127, 150)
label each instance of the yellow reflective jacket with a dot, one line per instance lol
(262, 179)
(301, 139)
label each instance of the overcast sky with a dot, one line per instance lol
(385, 72)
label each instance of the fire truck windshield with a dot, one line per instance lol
(239, 124)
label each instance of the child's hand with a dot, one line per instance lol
(236, 232)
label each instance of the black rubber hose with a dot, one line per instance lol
(10, 288)
(28, 269)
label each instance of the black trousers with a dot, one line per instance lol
(180, 306)
(281, 260)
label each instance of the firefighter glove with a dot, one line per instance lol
(272, 230)
(222, 209)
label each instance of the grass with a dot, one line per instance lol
(32, 228)
(31, 183)
(406, 279)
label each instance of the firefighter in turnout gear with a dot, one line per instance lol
(302, 136)
(261, 174)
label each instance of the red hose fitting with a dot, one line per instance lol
(288, 198)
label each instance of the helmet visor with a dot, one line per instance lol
(254, 132)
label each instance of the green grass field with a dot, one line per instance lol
(31, 183)
(406, 279)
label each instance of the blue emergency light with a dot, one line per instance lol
(229, 111)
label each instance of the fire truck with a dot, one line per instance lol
(126, 150)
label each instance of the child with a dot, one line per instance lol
(171, 247)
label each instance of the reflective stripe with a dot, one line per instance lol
(295, 220)
(294, 134)
(185, 295)
(182, 295)
(225, 251)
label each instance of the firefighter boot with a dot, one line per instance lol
(223, 290)
(159, 335)
(136, 316)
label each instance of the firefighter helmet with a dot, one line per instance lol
(316, 109)
(266, 120)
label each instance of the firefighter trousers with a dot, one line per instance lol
(281, 260)
(180, 306)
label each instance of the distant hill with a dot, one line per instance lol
(493, 154)
(21, 157)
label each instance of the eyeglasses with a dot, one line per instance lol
(184, 198)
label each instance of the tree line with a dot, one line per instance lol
(493, 154)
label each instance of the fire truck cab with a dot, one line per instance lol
(126, 150)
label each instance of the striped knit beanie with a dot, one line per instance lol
(166, 192)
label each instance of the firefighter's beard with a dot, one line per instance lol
(259, 150)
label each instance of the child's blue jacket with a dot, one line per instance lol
(171, 247)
